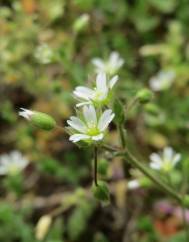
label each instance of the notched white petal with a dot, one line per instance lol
(90, 115)
(98, 137)
(83, 92)
(77, 137)
(113, 81)
(156, 158)
(105, 119)
(155, 165)
(77, 124)
(176, 159)
(101, 82)
(168, 153)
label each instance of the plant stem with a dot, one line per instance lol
(122, 135)
(185, 222)
(131, 104)
(95, 165)
(146, 172)
(183, 192)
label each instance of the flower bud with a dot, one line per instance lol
(42, 227)
(81, 23)
(101, 191)
(39, 119)
(152, 108)
(144, 95)
(102, 167)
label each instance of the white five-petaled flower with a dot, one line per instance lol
(99, 95)
(163, 80)
(165, 161)
(111, 66)
(44, 54)
(12, 163)
(90, 129)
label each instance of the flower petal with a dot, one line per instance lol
(155, 165)
(176, 159)
(114, 57)
(133, 184)
(83, 92)
(98, 137)
(77, 124)
(98, 63)
(26, 113)
(90, 115)
(105, 119)
(77, 137)
(156, 161)
(168, 154)
(82, 104)
(101, 83)
(115, 60)
(113, 81)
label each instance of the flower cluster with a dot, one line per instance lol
(92, 122)
(91, 126)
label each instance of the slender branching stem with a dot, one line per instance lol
(95, 165)
(163, 186)
(131, 104)
(183, 192)
(136, 163)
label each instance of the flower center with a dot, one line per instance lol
(167, 166)
(99, 95)
(92, 131)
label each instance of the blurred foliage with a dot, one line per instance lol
(46, 50)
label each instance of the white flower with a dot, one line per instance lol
(26, 113)
(91, 128)
(164, 161)
(12, 163)
(162, 80)
(99, 95)
(133, 184)
(44, 54)
(111, 66)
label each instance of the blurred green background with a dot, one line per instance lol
(45, 51)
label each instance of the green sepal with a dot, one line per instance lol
(43, 121)
(101, 192)
(144, 95)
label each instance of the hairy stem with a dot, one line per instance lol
(122, 135)
(133, 161)
(95, 165)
